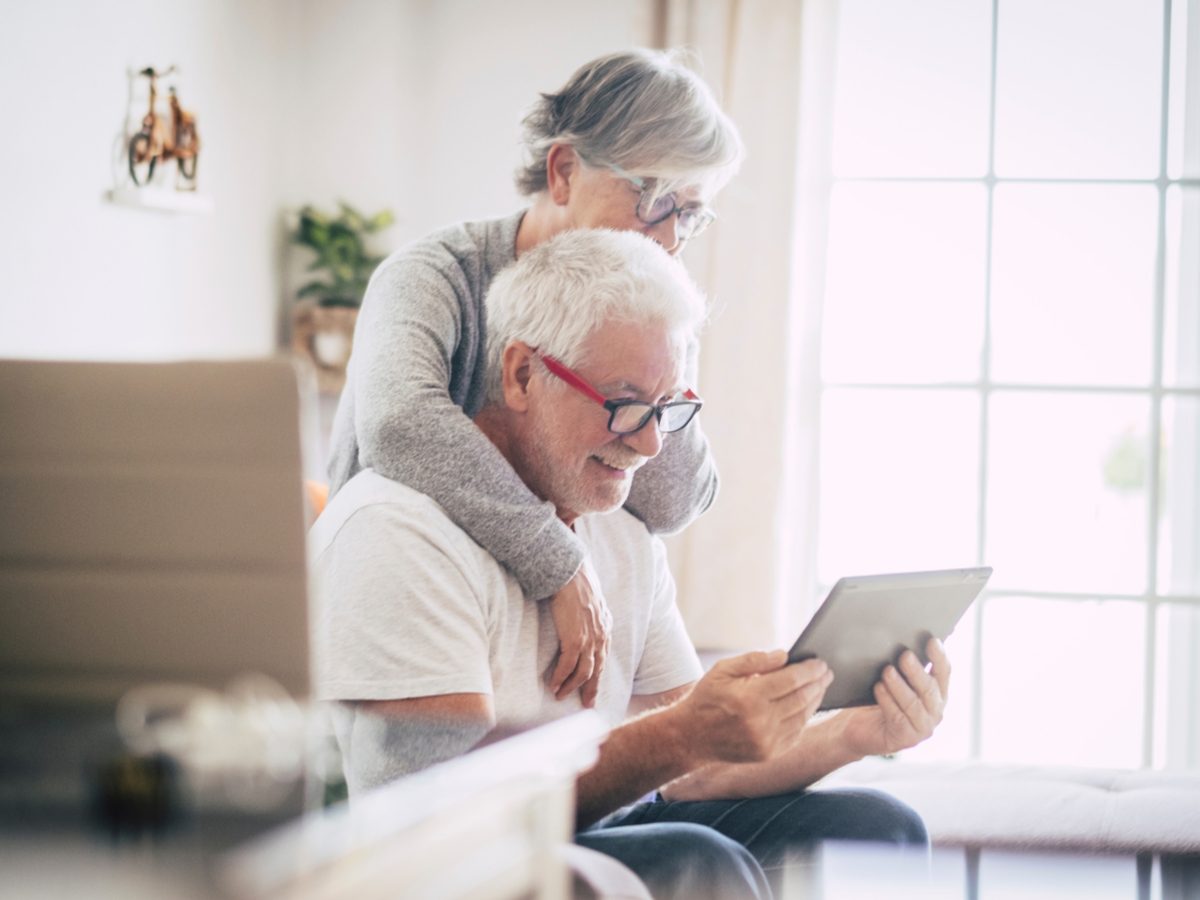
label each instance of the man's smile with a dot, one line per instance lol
(626, 465)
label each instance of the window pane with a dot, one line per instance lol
(899, 481)
(1073, 284)
(1067, 492)
(952, 740)
(1176, 674)
(912, 87)
(1062, 681)
(1078, 88)
(1181, 325)
(904, 284)
(1179, 499)
(1183, 114)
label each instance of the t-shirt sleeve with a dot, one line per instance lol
(398, 612)
(409, 429)
(669, 659)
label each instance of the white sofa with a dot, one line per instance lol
(1027, 807)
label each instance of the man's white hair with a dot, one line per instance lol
(555, 296)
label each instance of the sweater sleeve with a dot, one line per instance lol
(673, 489)
(409, 429)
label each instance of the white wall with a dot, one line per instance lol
(415, 106)
(85, 278)
(411, 105)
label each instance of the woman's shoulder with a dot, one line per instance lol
(445, 273)
(474, 249)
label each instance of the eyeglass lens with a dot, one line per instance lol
(659, 207)
(630, 417)
(692, 220)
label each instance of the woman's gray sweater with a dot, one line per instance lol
(416, 378)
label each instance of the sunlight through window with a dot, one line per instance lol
(1010, 357)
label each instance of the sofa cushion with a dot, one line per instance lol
(983, 805)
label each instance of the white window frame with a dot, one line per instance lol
(1171, 703)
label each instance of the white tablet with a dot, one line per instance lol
(867, 621)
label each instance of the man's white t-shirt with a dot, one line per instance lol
(408, 605)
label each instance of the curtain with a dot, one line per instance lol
(743, 569)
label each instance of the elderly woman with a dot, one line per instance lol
(633, 141)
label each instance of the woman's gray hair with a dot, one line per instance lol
(641, 110)
(559, 293)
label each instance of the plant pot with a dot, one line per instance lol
(331, 348)
(324, 336)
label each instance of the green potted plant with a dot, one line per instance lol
(324, 317)
(342, 255)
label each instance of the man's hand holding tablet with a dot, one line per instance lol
(881, 638)
(869, 623)
(910, 702)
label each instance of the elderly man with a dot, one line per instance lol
(635, 141)
(429, 642)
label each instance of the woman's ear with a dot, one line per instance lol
(516, 366)
(562, 163)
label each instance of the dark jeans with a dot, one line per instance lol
(738, 848)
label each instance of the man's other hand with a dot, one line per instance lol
(752, 707)
(583, 623)
(911, 704)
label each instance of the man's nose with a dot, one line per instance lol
(647, 440)
(666, 235)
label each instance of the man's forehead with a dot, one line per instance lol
(641, 359)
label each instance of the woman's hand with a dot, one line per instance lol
(583, 623)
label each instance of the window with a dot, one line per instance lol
(1010, 356)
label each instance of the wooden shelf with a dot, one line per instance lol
(161, 200)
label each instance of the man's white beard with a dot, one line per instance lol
(568, 489)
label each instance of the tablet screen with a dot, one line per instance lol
(867, 621)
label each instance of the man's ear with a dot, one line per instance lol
(562, 163)
(516, 366)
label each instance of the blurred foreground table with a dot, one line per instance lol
(490, 825)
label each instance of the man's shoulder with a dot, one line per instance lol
(622, 539)
(390, 510)
(618, 524)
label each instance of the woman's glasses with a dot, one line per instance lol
(653, 207)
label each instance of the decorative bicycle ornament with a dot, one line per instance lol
(162, 140)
